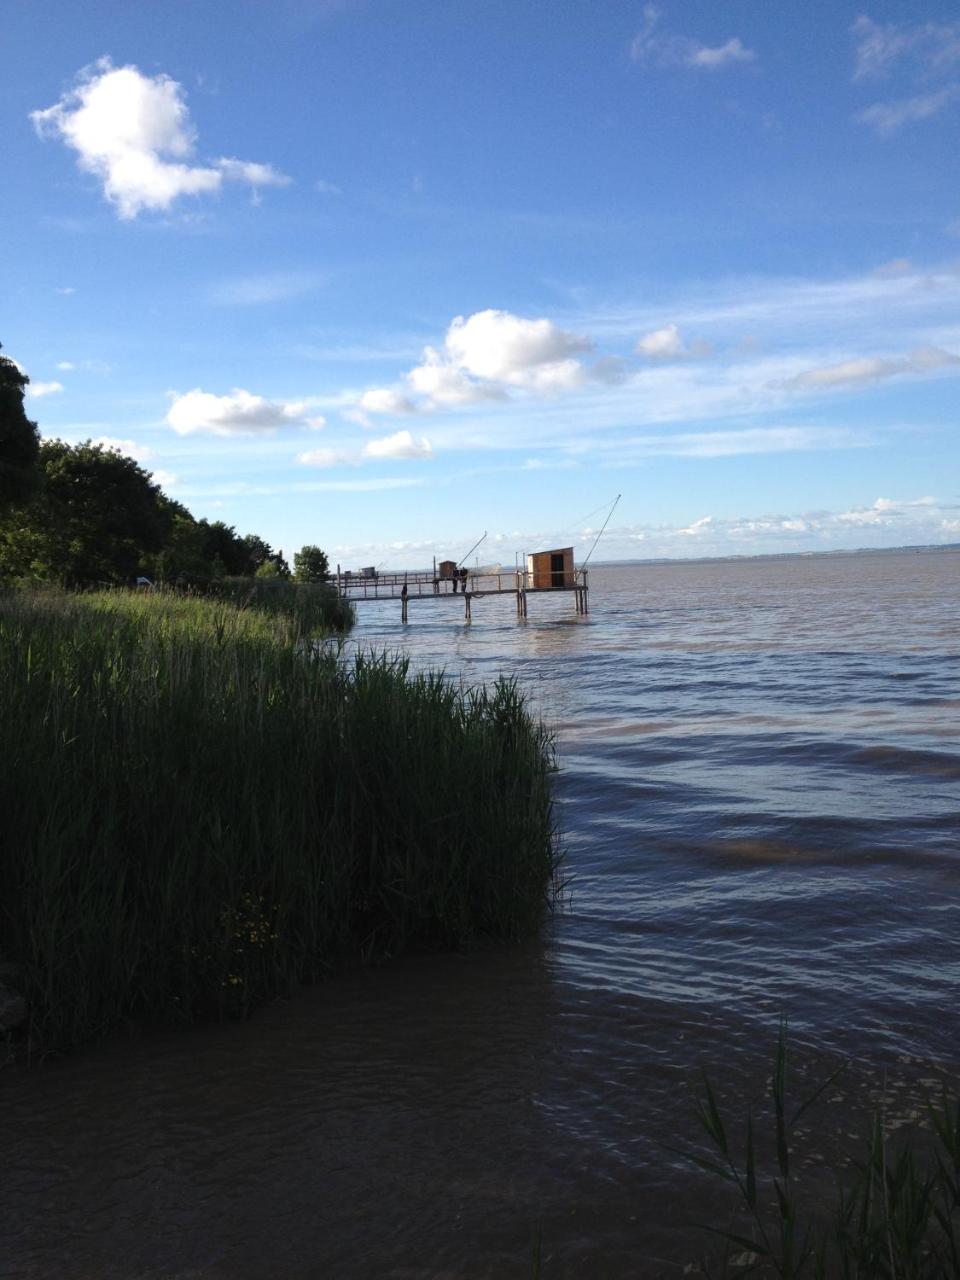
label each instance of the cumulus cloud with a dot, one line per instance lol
(239, 413)
(442, 383)
(133, 132)
(851, 373)
(39, 389)
(500, 347)
(483, 356)
(661, 344)
(652, 47)
(400, 445)
(166, 479)
(385, 400)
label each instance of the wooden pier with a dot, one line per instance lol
(423, 587)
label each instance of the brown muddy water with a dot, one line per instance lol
(760, 803)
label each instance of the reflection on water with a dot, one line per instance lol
(760, 802)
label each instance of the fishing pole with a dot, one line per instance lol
(465, 558)
(602, 527)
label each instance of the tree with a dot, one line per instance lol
(275, 566)
(310, 564)
(258, 552)
(19, 441)
(221, 543)
(98, 518)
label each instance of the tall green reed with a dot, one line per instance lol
(199, 810)
(896, 1212)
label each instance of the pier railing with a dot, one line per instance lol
(476, 584)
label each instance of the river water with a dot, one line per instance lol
(759, 796)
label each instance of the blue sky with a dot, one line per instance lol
(384, 274)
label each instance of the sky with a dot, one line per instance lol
(386, 275)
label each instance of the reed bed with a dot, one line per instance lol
(313, 606)
(199, 810)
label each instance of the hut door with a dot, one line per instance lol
(556, 571)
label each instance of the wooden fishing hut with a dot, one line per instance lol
(447, 569)
(548, 570)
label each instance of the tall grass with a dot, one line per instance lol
(314, 606)
(896, 1215)
(197, 810)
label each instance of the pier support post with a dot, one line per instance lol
(403, 608)
(466, 601)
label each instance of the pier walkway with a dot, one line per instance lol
(426, 586)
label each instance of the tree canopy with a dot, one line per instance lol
(93, 519)
(310, 564)
(19, 440)
(83, 513)
(96, 516)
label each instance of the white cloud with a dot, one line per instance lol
(166, 479)
(667, 344)
(724, 54)
(699, 526)
(385, 400)
(501, 347)
(869, 369)
(931, 46)
(134, 133)
(239, 413)
(249, 171)
(39, 389)
(130, 448)
(66, 366)
(321, 458)
(65, 290)
(483, 356)
(652, 47)
(661, 344)
(327, 188)
(400, 445)
(888, 117)
(442, 383)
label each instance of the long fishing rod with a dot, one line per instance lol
(464, 559)
(602, 527)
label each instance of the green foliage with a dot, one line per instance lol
(224, 548)
(258, 552)
(896, 1217)
(314, 607)
(19, 441)
(96, 517)
(198, 810)
(310, 564)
